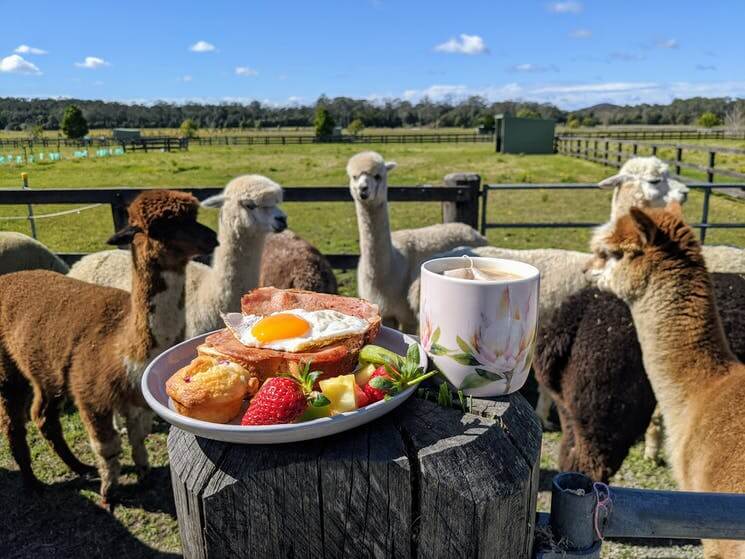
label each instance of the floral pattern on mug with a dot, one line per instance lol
(499, 346)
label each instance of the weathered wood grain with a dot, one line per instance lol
(424, 481)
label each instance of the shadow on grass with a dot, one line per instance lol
(62, 522)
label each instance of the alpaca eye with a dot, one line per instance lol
(249, 205)
(616, 254)
(356, 177)
(378, 177)
(656, 181)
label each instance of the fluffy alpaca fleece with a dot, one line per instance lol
(248, 213)
(653, 262)
(588, 358)
(21, 252)
(291, 262)
(61, 337)
(390, 262)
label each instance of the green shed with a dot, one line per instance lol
(523, 135)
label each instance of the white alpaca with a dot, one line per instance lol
(248, 212)
(390, 262)
(20, 252)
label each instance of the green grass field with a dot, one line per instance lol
(144, 524)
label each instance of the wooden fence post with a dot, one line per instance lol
(678, 159)
(119, 213)
(466, 209)
(605, 158)
(710, 171)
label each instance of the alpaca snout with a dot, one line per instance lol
(280, 223)
(364, 192)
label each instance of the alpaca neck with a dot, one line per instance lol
(376, 246)
(682, 340)
(236, 264)
(157, 319)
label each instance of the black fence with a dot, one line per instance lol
(658, 134)
(276, 139)
(611, 152)
(146, 143)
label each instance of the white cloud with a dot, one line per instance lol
(668, 44)
(185, 78)
(581, 34)
(568, 7)
(468, 44)
(533, 68)
(245, 71)
(25, 49)
(202, 46)
(15, 64)
(92, 63)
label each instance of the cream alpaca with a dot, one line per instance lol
(652, 261)
(390, 262)
(248, 213)
(20, 252)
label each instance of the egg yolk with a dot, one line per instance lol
(279, 327)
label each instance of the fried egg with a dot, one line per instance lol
(293, 330)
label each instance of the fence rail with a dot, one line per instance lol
(146, 143)
(360, 139)
(599, 150)
(648, 134)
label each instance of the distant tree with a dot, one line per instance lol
(36, 132)
(708, 120)
(487, 121)
(590, 121)
(528, 113)
(734, 119)
(355, 127)
(74, 124)
(323, 122)
(573, 122)
(188, 128)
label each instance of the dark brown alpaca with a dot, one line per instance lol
(63, 338)
(588, 358)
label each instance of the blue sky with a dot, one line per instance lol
(571, 53)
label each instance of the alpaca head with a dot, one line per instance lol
(642, 249)
(368, 178)
(643, 182)
(163, 227)
(249, 205)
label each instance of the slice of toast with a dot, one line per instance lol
(340, 357)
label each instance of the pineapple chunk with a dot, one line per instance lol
(340, 390)
(364, 373)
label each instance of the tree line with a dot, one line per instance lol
(27, 114)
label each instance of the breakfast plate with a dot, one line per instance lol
(173, 359)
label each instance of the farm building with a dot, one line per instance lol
(523, 135)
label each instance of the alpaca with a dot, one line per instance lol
(248, 213)
(653, 262)
(291, 262)
(61, 337)
(21, 252)
(389, 262)
(588, 359)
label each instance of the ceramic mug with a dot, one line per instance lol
(480, 333)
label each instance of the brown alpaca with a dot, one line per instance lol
(291, 262)
(653, 262)
(61, 337)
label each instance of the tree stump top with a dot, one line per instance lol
(423, 481)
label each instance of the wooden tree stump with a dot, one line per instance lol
(423, 481)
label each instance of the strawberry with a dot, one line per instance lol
(283, 399)
(360, 397)
(377, 393)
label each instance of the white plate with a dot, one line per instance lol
(170, 361)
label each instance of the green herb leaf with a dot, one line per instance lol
(462, 400)
(412, 354)
(473, 381)
(319, 401)
(444, 397)
(381, 383)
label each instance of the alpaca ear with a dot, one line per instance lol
(215, 201)
(615, 180)
(645, 225)
(390, 165)
(124, 236)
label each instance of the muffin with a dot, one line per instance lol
(211, 389)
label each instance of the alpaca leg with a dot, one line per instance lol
(45, 413)
(139, 423)
(106, 445)
(543, 407)
(15, 394)
(653, 437)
